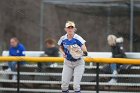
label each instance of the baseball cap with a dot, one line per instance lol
(69, 23)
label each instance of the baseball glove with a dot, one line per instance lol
(75, 51)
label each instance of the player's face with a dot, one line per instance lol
(70, 30)
(13, 43)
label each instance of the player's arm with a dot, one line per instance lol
(61, 49)
(81, 43)
(84, 49)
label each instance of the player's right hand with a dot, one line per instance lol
(64, 55)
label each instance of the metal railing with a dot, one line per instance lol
(59, 59)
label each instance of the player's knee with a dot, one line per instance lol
(64, 87)
(76, 88)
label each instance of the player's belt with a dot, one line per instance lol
(74, 59)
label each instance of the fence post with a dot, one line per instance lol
(18, 77)
(97, 77)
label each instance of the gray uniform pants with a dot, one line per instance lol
(70, 69)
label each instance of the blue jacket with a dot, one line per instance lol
(17, 51)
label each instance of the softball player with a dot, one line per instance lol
(74, 64)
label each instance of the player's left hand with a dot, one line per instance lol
(75, 51)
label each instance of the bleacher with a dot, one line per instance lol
(49, 80)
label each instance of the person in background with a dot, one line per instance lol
(16, 49)
(117, 50)
(50, 50)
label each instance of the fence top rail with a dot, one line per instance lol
(133, 55)
(61, 59)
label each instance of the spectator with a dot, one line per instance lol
(50, 50)
(117, 50)
(16, 49)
